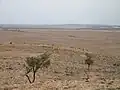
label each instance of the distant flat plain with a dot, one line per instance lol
(104, 44)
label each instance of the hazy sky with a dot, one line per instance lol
(60, 12)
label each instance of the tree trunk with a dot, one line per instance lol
(88, 67)
(28, 78)
(33, 77)
(33, 80)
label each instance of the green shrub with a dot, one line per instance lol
(89, 60)
(33, 64)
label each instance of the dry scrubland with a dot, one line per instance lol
(67, 70)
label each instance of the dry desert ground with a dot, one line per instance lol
(67, 70)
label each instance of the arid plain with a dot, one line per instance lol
(67, 69)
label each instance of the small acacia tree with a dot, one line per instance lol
(88, 61)
(33, 64)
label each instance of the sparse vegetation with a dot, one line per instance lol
(33, 64)
(88, 61)
(69, 66)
